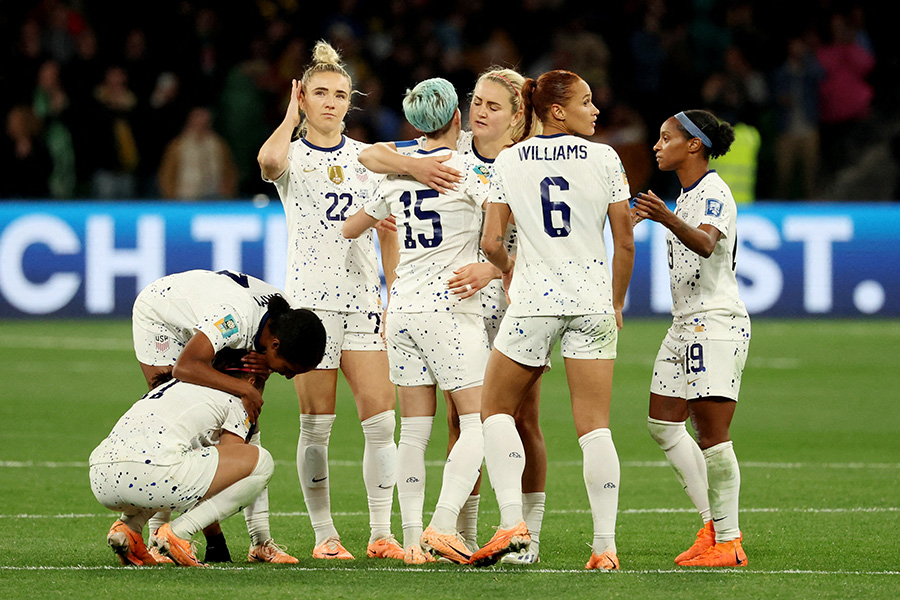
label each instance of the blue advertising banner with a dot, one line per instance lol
(78, 259)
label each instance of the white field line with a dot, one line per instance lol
(29, 464)
(515, 571)
(574, 511)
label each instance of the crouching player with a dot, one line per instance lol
(149, 462)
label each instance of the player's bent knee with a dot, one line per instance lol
(666, 433)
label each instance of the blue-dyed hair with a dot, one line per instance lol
(430, 105)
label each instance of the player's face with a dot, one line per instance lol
(326, 100)
(672, 147)
(491, 113)
(581, 114)
(281, 365)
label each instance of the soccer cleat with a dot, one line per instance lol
(270, 552)
(181, 551)
(414, 555)
(503, 542)
(608, 561)
(721, 554)
(332, 548)
(385, 547)
(446, 545)
(153, 549)
(128, 545)
(706, 538)
(526, 556)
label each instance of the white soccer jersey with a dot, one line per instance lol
(437, 234)
(559, 189)
(319, 190)
(163, 425)
(705, 296)
(227, 307)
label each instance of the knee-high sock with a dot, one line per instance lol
(138, 519)
(380, 471)
(158, 520)
(467, 521)
(414, 435)
(686, 459)
(504, 456)
(724, 489)
(601, 478)
(257, 514)
(533, 509)
(227, 502)
(460, 473)
(312, 469)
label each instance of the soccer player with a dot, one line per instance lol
(320, 182)
(496, 121)
(698, 369)
(151, 460)
(434, 337)
(182, 320)
(560, 289)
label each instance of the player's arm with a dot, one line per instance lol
(623, 257)
(273, 155)
(701, 240)
(194, 365)
(390, 253)
(384, 158)
(492, 238)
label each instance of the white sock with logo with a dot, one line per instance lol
(380, 471)
(312, 469)
(504, 456)
(460, 473)
(724, 489)
(414, 435)
(686, 459)
(601, 478)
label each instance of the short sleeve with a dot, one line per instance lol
(225, 328)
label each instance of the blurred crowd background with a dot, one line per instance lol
(172, 99)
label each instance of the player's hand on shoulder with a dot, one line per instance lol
(435, 174)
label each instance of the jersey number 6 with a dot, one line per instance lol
(549, 207)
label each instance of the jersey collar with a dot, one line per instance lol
(488, 161)
(320, 149)
(442, 148)
(696, 183)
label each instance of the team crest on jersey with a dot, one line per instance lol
(227, 326)
(484, 173)
(162, 343)
(714, 207)
(624, 176)
(362, 174)
(336, 174)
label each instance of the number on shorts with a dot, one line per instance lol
(377, 317)
(549, 207)
(670, 254)
(695, 358)
(238, 278)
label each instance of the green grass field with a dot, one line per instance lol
(816, 432)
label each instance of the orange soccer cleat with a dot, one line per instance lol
(706, 539)
(503, 542)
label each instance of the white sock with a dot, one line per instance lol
(601, 478)
(158, 520)
(724, 489)
(137, 521)
(686, 459)
(380, 471)
(257, 514)
(414, 435)
(467, 521)
(227, 502)
(460, 473)
(505, 459)
(312, 469)
(533, 509)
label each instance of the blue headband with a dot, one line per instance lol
(693, 129)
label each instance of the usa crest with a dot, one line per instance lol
(336, 174)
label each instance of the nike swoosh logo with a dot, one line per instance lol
(331, 554)
(314, 480)
(384, 487)
(305, 170)
(737, 558)
(460, 552)
(715, 520)
(693, 381)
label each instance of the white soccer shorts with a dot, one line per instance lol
(349, 331)
(699, 368)
(530, 340)
(155, 344)
(446, 349)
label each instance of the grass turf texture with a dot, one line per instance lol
(815, 431)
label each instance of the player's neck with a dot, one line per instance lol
(322, 139)
(446, 140)
(689, 174)
(491, 148)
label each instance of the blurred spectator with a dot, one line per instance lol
(25, 159)
(114, 146)
(160, 120)
(844, 93)
(796, 90)
(51, 106)
(740, 166)
(197, 164)
(626, 132)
